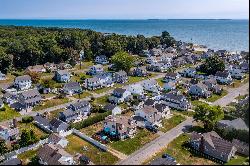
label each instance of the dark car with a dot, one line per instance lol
(167, 156)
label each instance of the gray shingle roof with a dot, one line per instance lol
(13, 161)
(109, 107)
(237, 124)
(23, 78)
(119, 90)
(62, 72)
(162, 161)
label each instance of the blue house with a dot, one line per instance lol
(62, 76)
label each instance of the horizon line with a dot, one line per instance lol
(124, 19)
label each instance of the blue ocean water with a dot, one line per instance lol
(232, 35)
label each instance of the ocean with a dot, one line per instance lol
(232, 35)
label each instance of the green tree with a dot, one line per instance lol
(27, 138)
(212, 65)
(122, 61)
(208, 115)
(167, 39)
(3, 147)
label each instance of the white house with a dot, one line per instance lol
(237, 74)
(136, 89)
(111, 107)
(23, 82)
(151, 60)
(62, 76)
(151, 86)
(171, 85)
(223, 77)
(92, 83)
(119, 96)
(200, 90)
(190, 72)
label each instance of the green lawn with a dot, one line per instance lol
(215, 97)
(27, 156)
(130, 145)
(77, 145)
(54, 114)
(101, 100)
(238, 83)
(102, 90)
(241, 97)
(238, 160)
(50, 103)
(160, 82)
(30, 126)
(82, 95)
(9, 113)
(195, 103)
(48, 95)
(170, 123)
(85, 65)
(9, 78)
(90, 130)
(182, 156)
(132, 79)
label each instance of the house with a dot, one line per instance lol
(23, 82)
(176, 100)
(58, 126)
(200, 90)
(62, 76)
(145, 53)
(150, 102)
(105, 79)
(139, 71)
(63, 66)
(75, 110)
(56, 139)
(12, 161)
(167, 57)
(237, 74)
(178, 62)
(9, 132)
(151, 60)
(120, 95)
(72, 88)
(42, 122)
(151, 86)
(170, 50)
(213, 145)
(171, 85)
(189, 72)
(27, 99)
(92, 83)
(50, 67)
(237, 124)
(102, 59)
(113, 108)
(155, 51)
(136, 89)
(189, 59)
(244, 67)
(120, 77)
(212, 85)
(1, 103)
(137, 105)
(171, 76)
(223, 77)
(51, 154)
(119, 126)
(35, 69)
(2, 76)
(159, 67)
(163, 109)
(96, 69)
(242, 147)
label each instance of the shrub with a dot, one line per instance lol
(2, 109)
(27, 119)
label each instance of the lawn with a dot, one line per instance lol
(9, 113)
(82, 95)
(215, 97)
(132, 79)
(238, 83)
(241, 97)
(54, 114)
(182, 156)
(195, 103)
(170, 123)
(90, 130)
(101, 100)
(30, 126)
(49, 95)
(9, 78)
(78, 145)
(85, 65)
(160, 82)
(102, 90)
(238, 160)
(27, 156)
(130, 145)
(51, 103)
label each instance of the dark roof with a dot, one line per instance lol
(222, 74)
(119, 90)
(41, 120)
(62, 72)
(162, 161)
(23, 78)
(80, 104)
(149, 102)
(71, 85)
(109, 107)
(55, 122)
(13, 161)
(171, 74)
(174, 96)
(160, 107)
(54, 138)
(30, 93)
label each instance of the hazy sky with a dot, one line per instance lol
(124, 9)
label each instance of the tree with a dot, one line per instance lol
(208, 115)
(27, 138)
(3, 147)
(35, 77)
(212, 65)
(122, 61)
(167, 39)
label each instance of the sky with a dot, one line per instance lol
(124, 9)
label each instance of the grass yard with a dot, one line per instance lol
(30, 126)
(215, 97)
(9, 78)
(238, 160)
(27, 156)
(170, 123)
(130, 145)
(85, 65)
(102, 90)
(98, 157)
(241, 97)
(51, 103)
(238, 83)
(101, 100)
(54, 114)
(9, 113)
(49, 95)
(195, 103)
(82, 95)
(182, 156)
(90, 130)
(160, 82)
(132, 79)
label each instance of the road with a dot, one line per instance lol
(156, 145)
(232, 94)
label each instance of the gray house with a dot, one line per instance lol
(72, 88)
(120, 77)
(58, 126)
(92, 83)
(213, 145)
(62, 76)
(23, 82)
(119, 96)
(200, 90)
(139, 71)
(237, 124)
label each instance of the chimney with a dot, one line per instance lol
(202, 144)
(14, 123)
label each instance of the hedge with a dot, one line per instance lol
(91, 120)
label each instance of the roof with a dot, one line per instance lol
(149, 102)
(72, 85)
(149, 109)
(62, 72)
(80, 103)
(30, 93)
(222, 74)
(174, 96)
(121, 73)
(55, 122)
(237, 124)
(36, 68)
(68, 112)
(55, 138)
(13, 161)
(22, 78)
(51, 154)
(160, 107)
(162, 161)
(120, 119)
(109, 107)
(171, 74)
(41, 120)
(1, 102)
(119, 90)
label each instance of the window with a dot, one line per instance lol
(113, 126)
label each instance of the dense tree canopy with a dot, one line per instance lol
(122, 61)
(21, 47)
(208, 115)
(212, 65)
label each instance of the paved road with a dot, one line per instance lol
(156, 145)
(232, 94)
